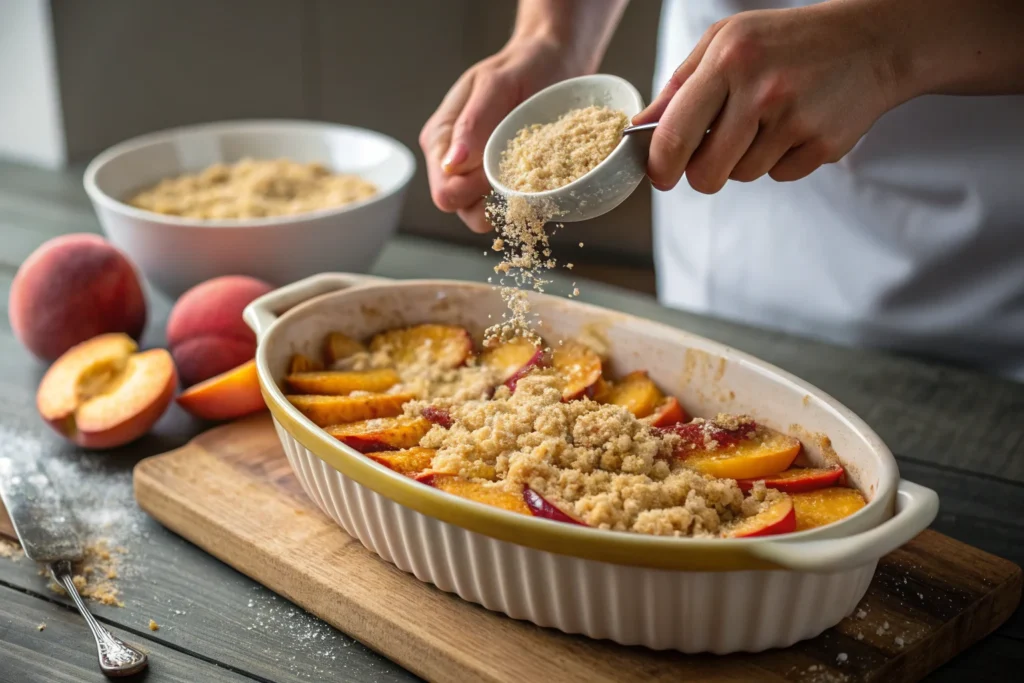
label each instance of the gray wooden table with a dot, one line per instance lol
(958, 432)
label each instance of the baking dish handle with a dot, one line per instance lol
(261, 313)
(916, 507)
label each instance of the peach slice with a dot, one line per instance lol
(748, 452)
(301, 363)
(101, 393)
(471, 490)
(338, 346)
(541, 507)
(537, 360)
(444, 346)
(670, 412)
(778, 518)
(509, 357)
(225, 396)
(636, 393)
(797, 479)
(579, 366)
(381, 434)
(331, 410)
(338, 383)
(411, 462)
(824, 506)
(438, 416)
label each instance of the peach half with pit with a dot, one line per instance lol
(103, 393)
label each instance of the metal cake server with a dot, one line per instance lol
(48, 534)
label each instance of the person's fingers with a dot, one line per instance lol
(475, 218)
(491, 99)
(655, 109)
(435, 138)
(455, 192)
(765, 151)
(683, 125)
(718, 152)
(799, 162)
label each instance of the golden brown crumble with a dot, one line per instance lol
(94, 575)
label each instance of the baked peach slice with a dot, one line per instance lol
(225, 396)
(507, 358)
(102, 393)
(325, 411)
(302, 363)
(824, 506)
(410, 461)
(636, 393)
(797, 479)
(471, 490)
(381, 434)
(444, 346)
(537, 360)
(669, 412)
(740, 450)
(579, 367)
(342, 383)
(338, 346)
(542, 507)
(778, 518)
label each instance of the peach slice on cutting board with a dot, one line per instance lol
(747, 452)
(102, 393)
(325, 411)
(509, 357)
(226, 396)
(778, 518)
(824, 506)
(471, 490)
(579, 367)
(341, 383)
(444, 346)
(381, 434)
(636, 393)
(797, 479)
(410, 461)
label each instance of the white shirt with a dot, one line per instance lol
(913, 241)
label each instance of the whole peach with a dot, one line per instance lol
(206, 333)
(73, 288)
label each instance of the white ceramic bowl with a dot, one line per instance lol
(693, 595)
(606, 185)
(176, 253)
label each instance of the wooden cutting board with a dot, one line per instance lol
(231, 492)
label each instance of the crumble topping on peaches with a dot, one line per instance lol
(546, 433)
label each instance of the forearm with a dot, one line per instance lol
(951, 47)
(584, 27)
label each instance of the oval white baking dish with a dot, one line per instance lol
(692, 595)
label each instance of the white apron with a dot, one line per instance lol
(914, 241)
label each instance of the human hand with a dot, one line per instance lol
(454, 137)
(775, 91)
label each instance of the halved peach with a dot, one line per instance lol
(670, 412)
(381, 434)
(824, 506)
(410, 462)
(342, 383)
(579, 367)
(748, 452)
(510, 356)
(471, 490)
(338, 346)
(331, 410)
(301, 363)
(797, 479)
(542, 507)
(101, 393)
(636, 393)
(225, 396)
(778, 518)
(444, 346)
